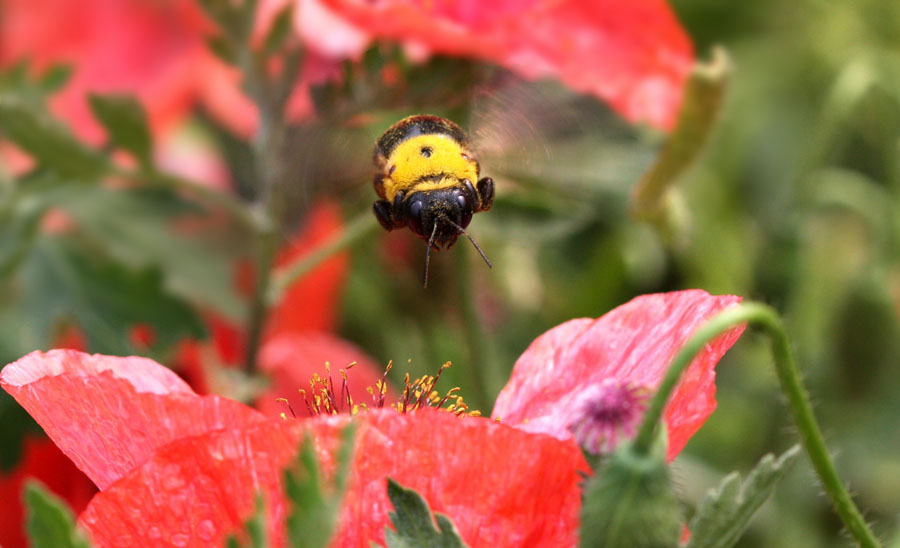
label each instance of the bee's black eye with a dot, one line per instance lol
(415, 217)
(391, 170)
(426, 152)
(415, 208)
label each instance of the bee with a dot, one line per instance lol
(425, 177)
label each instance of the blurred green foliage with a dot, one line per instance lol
(795, 202)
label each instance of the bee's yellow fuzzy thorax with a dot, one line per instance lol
(434, 160)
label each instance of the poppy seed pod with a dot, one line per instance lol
(631, 503)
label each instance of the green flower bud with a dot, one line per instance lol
(631, 502)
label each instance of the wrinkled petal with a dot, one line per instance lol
(291, 360)
(480, 473)
(633, 344)
(631, 53)
(109, 414)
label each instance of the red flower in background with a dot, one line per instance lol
(161, 452)
(631, 53)
(155, 50)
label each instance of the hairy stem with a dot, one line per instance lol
(768, 320)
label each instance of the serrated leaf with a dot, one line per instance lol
(279, 31)
(126, 124)
(137, 227)
(415, 526)
(51, 523)
(50, 143)
(725, 512)
(20, 219)
(314, 507)
(63, 281)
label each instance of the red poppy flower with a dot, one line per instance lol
(631, 53)
(198, 482)
(175, 467)
(626, 351)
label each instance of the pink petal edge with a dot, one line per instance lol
(109, 414)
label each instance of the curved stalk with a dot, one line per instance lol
(768, 320)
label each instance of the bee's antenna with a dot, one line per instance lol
(428, 254)
(463, 231)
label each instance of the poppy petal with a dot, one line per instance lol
(108, 414)
(480, 473)
(634, 345)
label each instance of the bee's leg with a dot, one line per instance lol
(485, 194)
(382, 209)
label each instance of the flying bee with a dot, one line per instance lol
(425, 175)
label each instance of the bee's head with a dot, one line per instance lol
(440, 215)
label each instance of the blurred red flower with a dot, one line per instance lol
(175, 467)
(631, 53)
(155, 50)
(630, 347)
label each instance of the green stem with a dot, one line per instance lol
(785, 366)
(360, 227)
(703, 97)
(259, 307)
(479, 362)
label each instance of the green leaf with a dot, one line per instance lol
(20, 218)
(725, 512)
(51, 523)
(279, 31)
(55, 78)
(414, 522)
(223, 48)
(126, 124)
(50, 143)
(138, 228)
(314, 507)
(65, 281)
